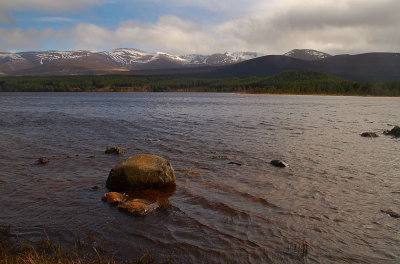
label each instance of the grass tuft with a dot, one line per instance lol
(14, 250)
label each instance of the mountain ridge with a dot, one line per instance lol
(375, 66)
(116, 60)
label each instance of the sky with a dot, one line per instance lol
(201, 27)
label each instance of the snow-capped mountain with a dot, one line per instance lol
(134, 56)
(123, 59)
(307, 54)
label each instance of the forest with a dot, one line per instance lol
(288, 82)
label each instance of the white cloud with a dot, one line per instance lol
(170, 34)
(19, 39)
(267, 26)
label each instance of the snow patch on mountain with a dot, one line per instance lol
(11, 56)
(307, 54)
(195, 58)
(49, 56)
(128, 56)
(171, 57)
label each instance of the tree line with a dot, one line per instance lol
(288, 82)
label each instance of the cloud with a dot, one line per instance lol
(170, 34)
(330, 25)
(54, 19)
(46, 5)
(5, 17)
(267, 26)
(20, 39)
(52, 6)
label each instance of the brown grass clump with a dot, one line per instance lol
(14, 250)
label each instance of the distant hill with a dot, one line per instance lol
(362, 67)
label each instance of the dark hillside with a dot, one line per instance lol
(363, 67)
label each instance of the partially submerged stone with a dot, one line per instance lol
(113, 197)
(369, 134)
(391, 213)
(43, 160)
(190, 172)
(221, 157)
(393, 132)
(138, 207)
(134, 206)
(141, 171)
(114, 150)
(279, 163)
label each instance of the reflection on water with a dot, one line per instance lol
(230, 205)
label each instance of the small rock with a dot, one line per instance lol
(221, 157)
(95, 187)
(391, 213)
(92, 157)
(43, 160)
(369, 134)
(114, 150)
(191, 172)
(235, 163)
(138, 207)
(279, 163)
(77, 155)
(393, 132)
(70, 156)
(113, 197)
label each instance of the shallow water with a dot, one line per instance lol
(330, 197)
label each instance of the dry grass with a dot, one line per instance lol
(14, 250)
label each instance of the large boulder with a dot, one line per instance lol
(141, 171)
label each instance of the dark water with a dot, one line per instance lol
(330, 197)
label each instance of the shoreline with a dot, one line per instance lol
(215, 92)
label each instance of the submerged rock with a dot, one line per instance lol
(279, 163)
(221, 157)
(393, 132)
(113, 197)
(391, 213)
(141, 171)
(139, 207)
(133, 206)
(369, 134)
(190, 172)
(43, 160)
(114, 150)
